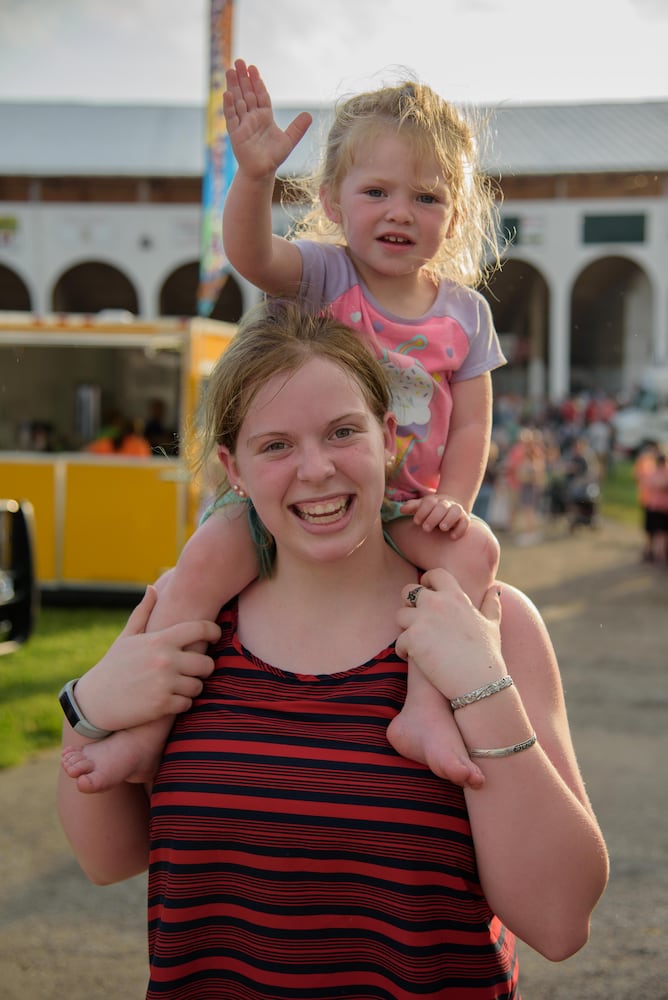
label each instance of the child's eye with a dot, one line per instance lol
(426, 199)
(374, 192)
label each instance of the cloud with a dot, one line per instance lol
(471, 51)
(653, 9)
(154, 50)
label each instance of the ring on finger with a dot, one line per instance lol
(413, 595)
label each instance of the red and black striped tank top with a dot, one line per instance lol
(296, 856)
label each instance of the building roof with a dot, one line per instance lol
(580, 138)
(42, 139)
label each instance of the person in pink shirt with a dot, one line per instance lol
(655, 486)
(644, 468)
(399, 228)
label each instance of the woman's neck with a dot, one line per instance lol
(325, 617)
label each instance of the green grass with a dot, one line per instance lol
(65, 643)
(618, 495)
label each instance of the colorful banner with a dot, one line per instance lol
(219, 163)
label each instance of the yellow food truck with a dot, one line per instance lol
(102, 522)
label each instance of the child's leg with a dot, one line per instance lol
(216, 563)
(425, 730)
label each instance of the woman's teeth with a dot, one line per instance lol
(322, 513)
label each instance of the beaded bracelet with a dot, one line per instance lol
(482, 692)
(503, 751)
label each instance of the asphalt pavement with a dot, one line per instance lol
(61, 937)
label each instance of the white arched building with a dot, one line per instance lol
(100, 209)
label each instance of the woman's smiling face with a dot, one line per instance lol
(312, 456)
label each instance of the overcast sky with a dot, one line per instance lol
(312, 51)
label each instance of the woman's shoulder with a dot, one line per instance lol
(528, 651)
(523, 631)
(518, 609)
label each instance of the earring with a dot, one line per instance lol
(238, 490)
(390, 460)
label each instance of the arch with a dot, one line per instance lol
(518, 296)
(611, 325)
(92, 286)
(178, 295)
(14, 293)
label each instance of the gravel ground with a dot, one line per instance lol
(63, 938)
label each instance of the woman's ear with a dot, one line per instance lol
(390, 433)
(331, 210)
(228, 462)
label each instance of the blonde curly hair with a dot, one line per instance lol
(435, 128)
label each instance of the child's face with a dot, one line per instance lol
(395, 209)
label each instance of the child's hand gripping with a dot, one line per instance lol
(436, 510)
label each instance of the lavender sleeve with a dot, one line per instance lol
(326, 273)
(485, 354)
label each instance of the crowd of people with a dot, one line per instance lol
(546, 464)
(550, 464)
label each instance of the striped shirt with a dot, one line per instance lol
(296, 856)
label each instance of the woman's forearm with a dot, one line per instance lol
(108, 831)
(540, 853)
(541, 857)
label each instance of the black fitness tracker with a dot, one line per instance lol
(75, 716)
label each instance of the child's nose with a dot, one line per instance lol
(399, 208)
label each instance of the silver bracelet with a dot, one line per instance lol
(482, 692)
(504, 751)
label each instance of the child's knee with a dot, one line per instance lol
(474, 560)
(484, 547)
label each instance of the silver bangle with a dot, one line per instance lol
(504, 751)
(482, 692)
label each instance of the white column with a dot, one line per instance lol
(560, 346)
(660, 332)
(537, 348)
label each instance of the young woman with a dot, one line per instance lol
(291, 850)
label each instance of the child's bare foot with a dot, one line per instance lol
(123, 756)
(424, 730)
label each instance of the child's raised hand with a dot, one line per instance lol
(435, 510)
(259, 145)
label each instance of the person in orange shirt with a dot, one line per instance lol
(643, 468)
(121, 438)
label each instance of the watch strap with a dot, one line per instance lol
(75, 716)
